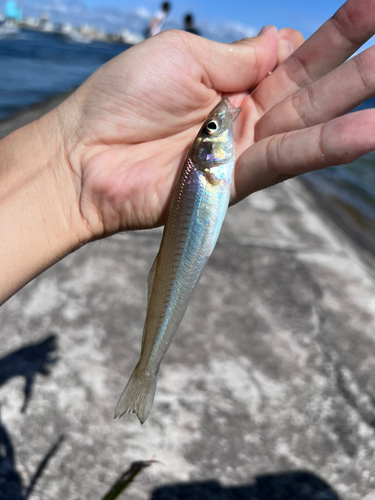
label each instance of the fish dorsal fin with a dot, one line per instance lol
(150, 278)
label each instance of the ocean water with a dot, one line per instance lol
(36, 66)
(351, 190)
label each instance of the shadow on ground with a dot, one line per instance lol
(298, 485)
(25, 362)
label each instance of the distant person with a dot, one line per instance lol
(189, 25)
(157, 22)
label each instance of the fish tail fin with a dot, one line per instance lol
(137, 396)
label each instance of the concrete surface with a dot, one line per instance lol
(267, 392)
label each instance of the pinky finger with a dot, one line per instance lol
(286, 155)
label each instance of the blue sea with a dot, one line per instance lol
(350, 192)
(36, 66)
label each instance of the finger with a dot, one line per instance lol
(238, 66)
(282, 156)
(289, 41)
(349, 28)
(333, 95)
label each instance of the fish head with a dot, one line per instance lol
(214, 144)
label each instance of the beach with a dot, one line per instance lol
(265, 394)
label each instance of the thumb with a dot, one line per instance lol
(238, 66)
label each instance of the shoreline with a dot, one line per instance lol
(363, 243)
(361, 240)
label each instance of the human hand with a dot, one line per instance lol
(300, 106)
(106, 159)
(129, 126)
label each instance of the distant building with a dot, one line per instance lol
(45, 24)
(130, 38)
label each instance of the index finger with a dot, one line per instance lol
(336, 40)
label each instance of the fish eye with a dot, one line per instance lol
(212, 126)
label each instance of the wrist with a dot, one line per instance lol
(79, 147)
(55, 133)
(40, 221)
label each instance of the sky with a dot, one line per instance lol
(221, 20)
(305, 16)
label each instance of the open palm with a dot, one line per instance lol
(136, 116)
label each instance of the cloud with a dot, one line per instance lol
(228, 32)
(143, 12)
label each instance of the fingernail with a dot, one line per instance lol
(264, 29)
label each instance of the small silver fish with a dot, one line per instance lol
(196, 212)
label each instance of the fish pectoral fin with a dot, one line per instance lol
(212, 179)
(137, 396)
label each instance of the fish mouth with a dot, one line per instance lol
(235, 112)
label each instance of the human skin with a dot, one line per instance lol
(107, 158)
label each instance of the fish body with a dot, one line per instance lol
(196, 212)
